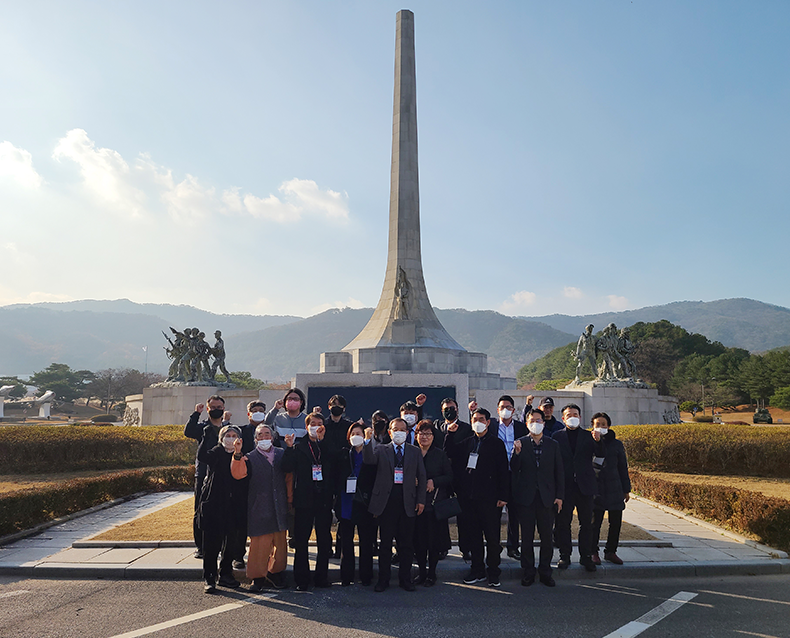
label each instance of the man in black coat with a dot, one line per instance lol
(398, 497)
(577, 448)
(336, 439)
(313, 494)
(538, 487)
(509, 430)
(483, 489)
(198, 430)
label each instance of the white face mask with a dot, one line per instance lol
(257, 417)
(410, 419)
(357, 440)
(227, 443)
(535, 428)
(399, 438)
(479, 427)
(601, 431)
(265, 445)
(313, 431)
(572, 422)
(505, 413)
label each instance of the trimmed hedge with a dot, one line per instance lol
(27, 508)
(32, 449)
(739, 450)
(766, 517)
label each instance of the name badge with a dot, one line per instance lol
(398, 476)
(317, 474)
(472, 464)
(598, 461)
(351, 485)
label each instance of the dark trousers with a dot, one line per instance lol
(213, 543)
(584, 510)
(363, 521)
(443, 535)
(305, 519)
(530, 516)
(481, 522)
(613, 538)
(512, 528)
(428, 542)
(197, 533)
(394, 523)
(240, 543)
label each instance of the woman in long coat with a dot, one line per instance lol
(268, 500)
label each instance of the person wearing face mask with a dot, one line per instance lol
(483, 490)
(336, 439)
(449, 417)
(509, 430)
(398, 497)
(577, 449)
(380, 423)
(614, 487)
(411, 413)
(538, 481)
(268, 499)
(313, 470)
(292, 420)
(200, 430)
(354, 487)
(221, 509)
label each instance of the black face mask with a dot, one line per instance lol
(450, 414)
(216, 413)
(336, 410)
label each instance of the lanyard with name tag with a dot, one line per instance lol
(351, 485)
(317, 474)
(398, 476)
(472, 464)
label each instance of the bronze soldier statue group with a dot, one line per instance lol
(287, 474)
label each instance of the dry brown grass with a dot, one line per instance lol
(14, 482)
(768, 486)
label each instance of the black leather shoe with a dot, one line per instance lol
(527, 581)
(258, 584)
(323, 584)
(407, 586)
(380, 587)
(238, 564)
(229, 582)
(209, 587)
(302, 588)
(467, 556)
(564, 563)
(420, 579)
(548, 581)
(588, 564)
(429, 582)
(514, 553)
(276, 580)
(199, 554)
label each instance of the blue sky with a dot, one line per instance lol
(575, 157)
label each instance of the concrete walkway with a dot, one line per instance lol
(684, 547)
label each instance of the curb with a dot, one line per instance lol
(509, 572)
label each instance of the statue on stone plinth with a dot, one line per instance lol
(607, 346)
(625, 350)
(402, 290)
(585, 352)
(190, 352)
(219, 356)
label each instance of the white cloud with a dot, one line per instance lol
(9, 296)
(351, 303)
(17, 164)
(518, 301)
(572, 292)
(617, 303)
(307, 197)
(104, 172)
(270, 208)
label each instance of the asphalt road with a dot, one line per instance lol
(729, 606)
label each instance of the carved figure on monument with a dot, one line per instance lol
(607, 346)
(219, 357)
(402, 290)
(585, 352)
(625, 350)
(203, 350)
(131, 416)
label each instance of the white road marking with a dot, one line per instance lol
(759, 600)
(145, 631)
(751, 633)
(646, 621)
(18, 592)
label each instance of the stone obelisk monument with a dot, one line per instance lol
(404, 334)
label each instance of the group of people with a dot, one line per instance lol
(288, 474)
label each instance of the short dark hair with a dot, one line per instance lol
(397, 418)
(571, 406)
(506, 397)
(255, 404)
(351, 429)
(486, 414)
(425, 426)
(313, 415)
(338, 399)
(410, 405)
(537, 411)
(215, 397)
(297, 392)
(601, 415)
(450, 400)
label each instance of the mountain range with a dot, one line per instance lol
(95, 334)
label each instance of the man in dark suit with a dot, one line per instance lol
(509, 430)
(398, 497)
(483, 490)
(577, 448)
(538, 482)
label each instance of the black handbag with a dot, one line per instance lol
(446, 508)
